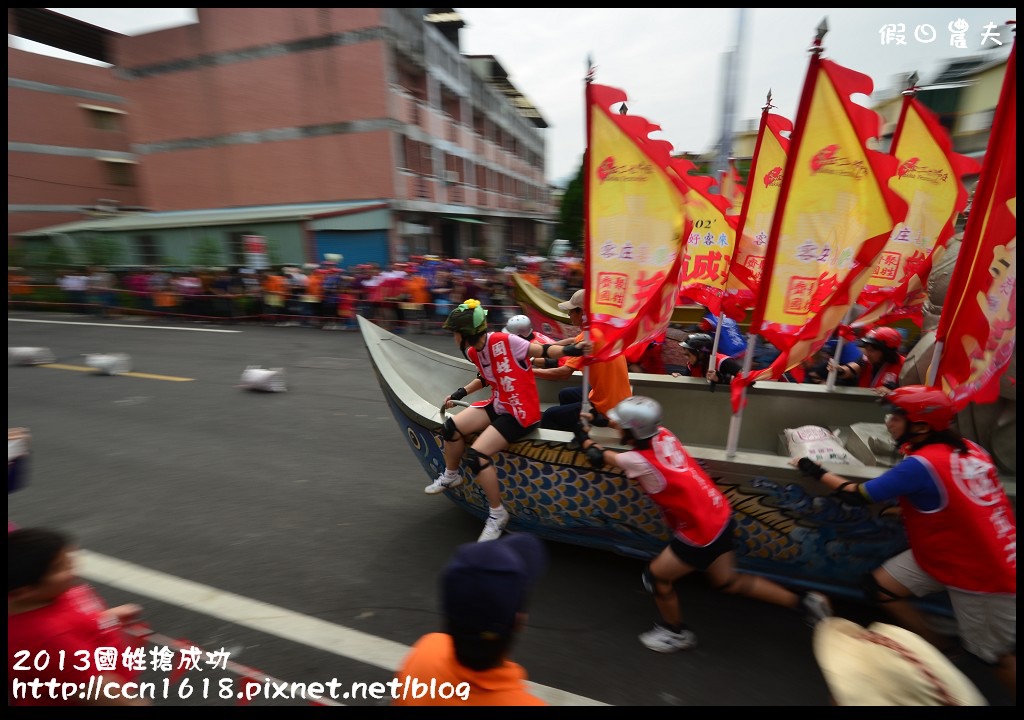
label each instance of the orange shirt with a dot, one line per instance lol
(432, 663)
(314, 286)
(277, 284)
(609, 380)
(417, 288)
(18, 284)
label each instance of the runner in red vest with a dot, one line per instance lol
(523, 327)
(699, 517)
(960, 524)
(503, 362)
(881, 363)
(697, 348)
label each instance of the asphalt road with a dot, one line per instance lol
(291, 529)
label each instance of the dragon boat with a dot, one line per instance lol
(790, 529)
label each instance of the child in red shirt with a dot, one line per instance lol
(53, 619)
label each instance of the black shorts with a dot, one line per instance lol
(702, 557)
(507, 425)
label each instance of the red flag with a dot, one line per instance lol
(732, 187)
(978, 327)
(709, 243)
(635, 223)
(929, 180)
(757, 213)
(834, 216)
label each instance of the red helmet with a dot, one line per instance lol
(923, 404)
(883, 337)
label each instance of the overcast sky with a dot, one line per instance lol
(670, 62)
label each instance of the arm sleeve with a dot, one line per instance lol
(910, 479)
(520, 348)
(637, 468)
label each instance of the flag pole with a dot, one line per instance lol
(831, 384)
(732, 439)
(587, 80)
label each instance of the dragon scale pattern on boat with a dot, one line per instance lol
(552, 492)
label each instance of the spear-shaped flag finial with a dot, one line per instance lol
(820, 33)
(912, 79)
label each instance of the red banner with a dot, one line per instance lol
(978, 327)
(834, 216)
(929, 180)
(733, 188)
(635, 221)
(756, 214)
(710, 242)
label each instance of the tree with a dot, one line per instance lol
(206, 253)
(570, 214)
(102, 250)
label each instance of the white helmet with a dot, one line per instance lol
(638, 414)
(519, 325)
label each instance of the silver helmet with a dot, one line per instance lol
(638, 414)
(519, 325)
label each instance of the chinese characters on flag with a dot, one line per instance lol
(756, 215)
(977, 332)
(634, 225)
(833, 218)
(928, 179)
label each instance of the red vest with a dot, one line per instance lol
(970, 542)
(694, 507)
(886, 373)
(719, 358)
(513, 387)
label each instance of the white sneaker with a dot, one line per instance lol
(496, 522)
(661, 639)
(444, 481)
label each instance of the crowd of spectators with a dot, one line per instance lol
(406, 296)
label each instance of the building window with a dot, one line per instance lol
(147, 250)
(236, 247)
(119, 172)
(426, 159)
(104, 118)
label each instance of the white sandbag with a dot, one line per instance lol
(109, 363)
(819, 444)
(263, 379)
(30, 355)
(18, 442)
(18, 450)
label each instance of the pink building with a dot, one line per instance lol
(254, 108)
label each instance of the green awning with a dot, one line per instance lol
(458, 218)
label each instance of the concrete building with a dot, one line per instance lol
(361, 131)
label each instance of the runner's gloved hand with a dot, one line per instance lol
(810, 468)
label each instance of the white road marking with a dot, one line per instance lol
(266, 618)
(115, 325)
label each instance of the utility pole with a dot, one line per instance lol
(723, 153)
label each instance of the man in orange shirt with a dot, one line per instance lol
(275, 294)
(609, 380)
(484, 592)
